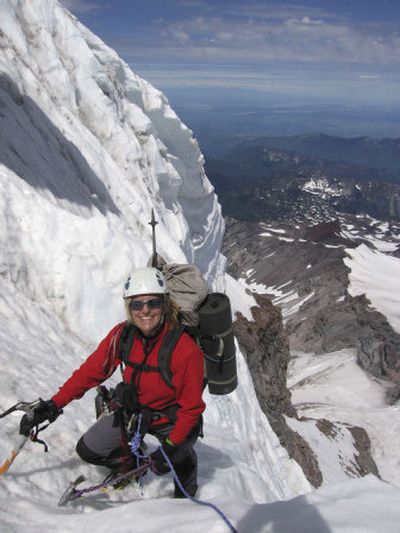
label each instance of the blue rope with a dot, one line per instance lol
(195, 500)
(137, 439)
(135, 445)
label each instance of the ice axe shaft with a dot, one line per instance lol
(153, 223)
(9, 461)
(20, 406)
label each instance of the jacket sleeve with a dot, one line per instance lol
(97, 368)
(187, 368)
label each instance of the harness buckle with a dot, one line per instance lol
(131, 425)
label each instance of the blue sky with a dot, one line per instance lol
(316, 48)
(310, 51)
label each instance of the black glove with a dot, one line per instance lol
(45, 410)
(123, 397)
(158, 463)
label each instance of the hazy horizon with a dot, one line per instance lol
(215, 115)
(334, 66)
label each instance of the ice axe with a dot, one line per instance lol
(153, 223)
(15, 451)
(26, 407)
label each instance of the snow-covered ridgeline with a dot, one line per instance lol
(80, 127)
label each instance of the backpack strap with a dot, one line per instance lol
(126, 342)
(170, 340)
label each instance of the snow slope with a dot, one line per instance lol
(377, 275)
(94, 140)
(87, 149)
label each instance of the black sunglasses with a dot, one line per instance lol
(137, 305)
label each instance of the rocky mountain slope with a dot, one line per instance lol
(290, 242)
(304, 270)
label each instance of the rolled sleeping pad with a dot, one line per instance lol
(220, 362)
(218, 343)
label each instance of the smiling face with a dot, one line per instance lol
(150, 316)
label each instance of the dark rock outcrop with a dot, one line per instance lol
(361, 463)
(378, 349)
(266, 349)
(267, 352)
(393, 395)
(365, 463)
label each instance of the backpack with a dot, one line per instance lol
(206, 317)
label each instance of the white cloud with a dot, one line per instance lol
(306, 21)
(304, 39)
(368, 77)
(180, 35)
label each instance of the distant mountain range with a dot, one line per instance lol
(306, 177)
(383, 154)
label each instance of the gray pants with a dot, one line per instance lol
(103, 444)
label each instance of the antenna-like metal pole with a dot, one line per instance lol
(153, 223)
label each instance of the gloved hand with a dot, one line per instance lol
(123, 397)
(158, 463)
(45, 410)
(120, 394)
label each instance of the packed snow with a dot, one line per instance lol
(321, 187)
(376, 275)
(87, 150)
(334, 387)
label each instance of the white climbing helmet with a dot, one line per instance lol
(144, 281)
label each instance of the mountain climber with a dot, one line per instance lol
(172, 414)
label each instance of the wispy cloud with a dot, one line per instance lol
(190, 3)
(302, 38)
(305, 20)
(269, 12)
(368, 77)
(256, 31)
(83, 6)
(292, 82)
(323, 44)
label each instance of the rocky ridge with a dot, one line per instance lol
(266, 349)
(303, 270)
(306, 306)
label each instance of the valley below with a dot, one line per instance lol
(325, 351)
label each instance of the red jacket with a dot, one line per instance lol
(187, 368)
